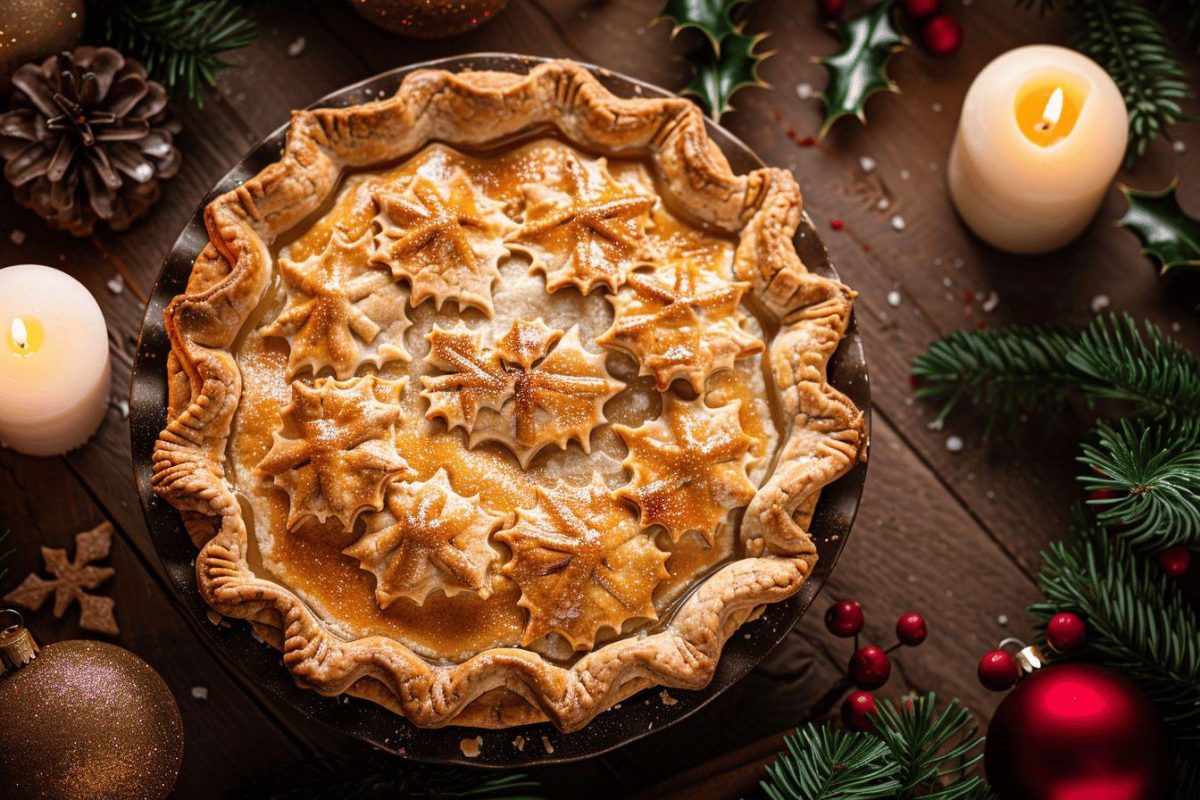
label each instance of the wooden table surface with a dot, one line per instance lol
(954, 535)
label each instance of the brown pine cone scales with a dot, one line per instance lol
(88, 137)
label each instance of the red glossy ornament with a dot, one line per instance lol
(911, 629)
(844, 619)
(1077, 732)
(1066, 632)
(870, 667)
(942, 35)
(833, 8)
(856, 711)
(998, 670)
(1174, 561)
(919, 9)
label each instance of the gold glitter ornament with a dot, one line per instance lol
(34, 29)
(427, 19)
(84, 720)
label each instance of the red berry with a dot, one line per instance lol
(870, 667)
(856, 711)
(1066, 632)
(1100, 495)
(919, 9)
(833, 8)
(1174, 560)
(911, 629)
(998, 670)
(836, 224)
(844, 619)
(942, 35)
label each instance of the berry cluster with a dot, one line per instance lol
(870, 667)
(940, 33)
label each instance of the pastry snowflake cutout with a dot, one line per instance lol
(689, 466)
(539, 386)
(428, 537)
(680, 321)
(446, 243)
(590, 233)
(582, 562)
(343, 453)
(340, 312)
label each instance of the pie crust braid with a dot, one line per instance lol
(506, 686)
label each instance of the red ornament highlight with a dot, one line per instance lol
(1077, 732)
(870, 667)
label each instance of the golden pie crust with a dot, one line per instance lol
(503, 398)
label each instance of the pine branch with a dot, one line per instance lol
(934, 751)
(1034, 369)
(824, 763)
(1125, 38)
(1139, 622)
(1152, 469)
(179, 42)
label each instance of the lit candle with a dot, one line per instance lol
(54, 364)
(1041, 136)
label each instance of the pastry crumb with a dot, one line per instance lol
(667, 700)
(1100, 302)
(804, 90)
(200, 692)
(116, 284)
(471, 748)
(297, 46)
(867, 163)
(519, 743)
(17, 237)
(894, 298)
(546, 744)
(954, 444)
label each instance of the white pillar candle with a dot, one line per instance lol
(1042, 134)
(54, 363)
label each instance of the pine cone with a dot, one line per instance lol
(88, 136)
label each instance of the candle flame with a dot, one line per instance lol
(1053, 111)
(20, 335)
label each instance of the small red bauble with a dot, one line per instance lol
(856, 711)
(942, 35)
(1174, 560)
(844, 619)
(870, 667)
(919, 9)
(1076, 731)
(1066, 632)
(833, 8)
(1098, 495)
(911, 629)
(998, 670)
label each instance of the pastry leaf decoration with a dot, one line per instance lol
(582, 563)
(337, 452)
(689, 466)
(540, 386)
(446, 245)
(589, 232)
(1169, 235)
(428, 537)
(681, 321)
(713, 18)
(340, 313)
(717, 78)
(859, 69)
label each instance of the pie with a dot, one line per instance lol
(501, 399)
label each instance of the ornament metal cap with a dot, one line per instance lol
(1029, 658)
(17, 645)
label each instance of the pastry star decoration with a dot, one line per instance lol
(540, 387)
(447, 245)
(582, 562)
(428, 537)
(340, 313)
(590, 233)
(71, 581)
(681, 321)
(342, 454)
(689, 466)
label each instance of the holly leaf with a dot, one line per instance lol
(713, 18)
(859, 69)
(1168, 235)
(717, 79)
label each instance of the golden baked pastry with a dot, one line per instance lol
(501, 399)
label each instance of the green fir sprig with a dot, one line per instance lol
(915, 751)
(181, 43)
